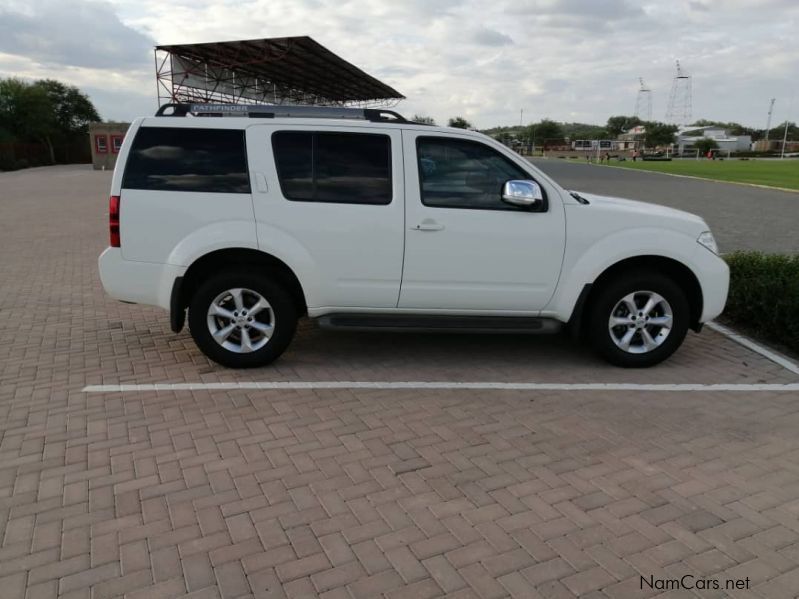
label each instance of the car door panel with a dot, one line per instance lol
(502, 259)
(353, 250)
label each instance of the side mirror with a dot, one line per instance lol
(522, 193)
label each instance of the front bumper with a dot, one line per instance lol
(714, 279)
(137, 282)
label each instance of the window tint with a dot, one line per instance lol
(177, 159)
(351, 168)
(294, 160)
(456, 173)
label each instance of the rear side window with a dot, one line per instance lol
(343, 168)
(178, 159)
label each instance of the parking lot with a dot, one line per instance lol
(369, 465)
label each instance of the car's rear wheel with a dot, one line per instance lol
(639, 319)
(242, 320)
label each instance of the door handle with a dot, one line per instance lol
(260, 183)
(428, 224)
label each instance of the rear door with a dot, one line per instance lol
(329, 201)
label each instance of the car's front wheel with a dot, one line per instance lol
(639, 319)
(242, 320)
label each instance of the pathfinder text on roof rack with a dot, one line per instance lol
(269, 111)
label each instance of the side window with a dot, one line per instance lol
(182, 159)
(342, 168)
(455, 173)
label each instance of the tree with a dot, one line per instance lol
(659, 134)
(620, 124)
(425, 120)
(46, 111)
(459, 123)
(732, 128)
(73, 109)
(545, 129)
(27, 113)
(584, 131)
(705, 144)
(777, 132)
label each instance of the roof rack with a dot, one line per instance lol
(270, 111)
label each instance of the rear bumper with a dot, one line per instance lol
(137, 282)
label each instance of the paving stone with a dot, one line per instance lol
(227, 494)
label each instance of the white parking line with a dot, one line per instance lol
(265, 385)
(755, 347)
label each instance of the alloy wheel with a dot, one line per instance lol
(241, 320)
(640, 322)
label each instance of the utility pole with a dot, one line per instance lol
(785, 133)
(784, 139)
(768, 122)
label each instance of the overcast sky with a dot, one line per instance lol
(569, 60)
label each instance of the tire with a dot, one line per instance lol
(638, 340)
(262, 328)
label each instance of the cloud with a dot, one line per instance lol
(79, 33)
(573, 60)
(489, 37)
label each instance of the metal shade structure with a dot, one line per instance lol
(281, 70)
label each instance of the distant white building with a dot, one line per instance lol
(686, 137)
(631, 139)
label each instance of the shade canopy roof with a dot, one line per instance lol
(293, 69)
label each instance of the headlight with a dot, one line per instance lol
(706, 239)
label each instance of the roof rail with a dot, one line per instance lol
(270, 111)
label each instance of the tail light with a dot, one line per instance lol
(113, 221)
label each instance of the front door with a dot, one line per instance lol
(465, 249)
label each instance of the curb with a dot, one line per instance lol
(740, 339)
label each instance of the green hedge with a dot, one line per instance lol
(764, 295)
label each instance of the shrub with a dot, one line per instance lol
(764, 295)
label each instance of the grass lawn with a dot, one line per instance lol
(776, 173)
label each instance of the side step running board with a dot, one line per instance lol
(453, 324)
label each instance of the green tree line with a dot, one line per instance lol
(44, 111)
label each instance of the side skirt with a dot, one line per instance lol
(432, 323)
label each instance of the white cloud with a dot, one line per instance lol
(563, 59)
(86, 33)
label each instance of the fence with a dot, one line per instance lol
(17, 155)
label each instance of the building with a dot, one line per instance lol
(593, 145)
(687, 136)
(775, 145)
(106, 140)
(631, 139)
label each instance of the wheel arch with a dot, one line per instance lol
(672, 268)
(227, 259)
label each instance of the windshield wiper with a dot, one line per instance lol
(578, 197)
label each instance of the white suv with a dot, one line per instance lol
(361, 219)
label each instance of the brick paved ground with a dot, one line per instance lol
(364, 493)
